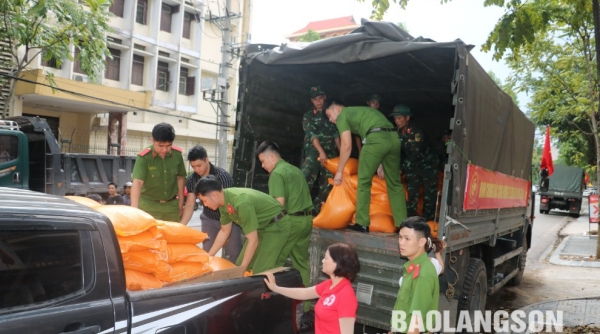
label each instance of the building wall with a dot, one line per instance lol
(200, 55)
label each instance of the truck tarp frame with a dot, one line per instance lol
(567, 179)
(440, 82)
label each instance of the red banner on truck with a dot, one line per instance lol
(493, 190)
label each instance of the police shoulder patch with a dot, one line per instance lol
(144, 151)
(418, 137)
(177, 148)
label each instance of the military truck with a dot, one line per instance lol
(563, 191)
(486, 210)
(31, 158)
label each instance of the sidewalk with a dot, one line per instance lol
(577, 248)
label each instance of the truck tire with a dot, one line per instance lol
(474, 290)
(574, 215)
(522, 261)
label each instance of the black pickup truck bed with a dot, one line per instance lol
(61, 272)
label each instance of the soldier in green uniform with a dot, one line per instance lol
(321, 142)
(263, 220)
(159, 176)
(380, 152)
(419, 163)
(420, 289)
(288, 186)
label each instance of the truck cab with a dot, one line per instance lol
(14, 156)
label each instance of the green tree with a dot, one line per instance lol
(403, 26)
(51, 28)
(310, 36)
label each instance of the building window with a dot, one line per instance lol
(137, 70)
(141, 10)
(187, 25)
(52, 62)
(187, 84)
(163, 76)
(77, 63)
(165, 18)
(117, 7)
(113, 66)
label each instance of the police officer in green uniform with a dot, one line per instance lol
(420, 289)
(159, 176)
(373, 101)
(321, 142)
(380, 153)
(288, 186)
(419, 163)
(263, 220)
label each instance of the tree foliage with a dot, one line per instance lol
(310, 36)
(559, 71)
(53, 28)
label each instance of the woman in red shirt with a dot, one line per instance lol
(335, 311)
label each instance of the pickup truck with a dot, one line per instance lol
(61, 271)
(485, 203)
(31, 158)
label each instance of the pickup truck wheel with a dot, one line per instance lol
(522, 260)
(474, 290)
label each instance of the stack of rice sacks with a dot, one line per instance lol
(156, 252)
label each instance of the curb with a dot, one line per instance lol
(553, 305)
(555, 258)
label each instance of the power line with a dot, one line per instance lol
(111, 102)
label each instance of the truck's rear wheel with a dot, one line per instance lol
(522, 260)
(474, 290)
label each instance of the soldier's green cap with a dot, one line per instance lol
(401, 110)
(375, 97)
(316, 91)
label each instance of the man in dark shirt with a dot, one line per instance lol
(113, 197)
(127, 196)
(211, 224)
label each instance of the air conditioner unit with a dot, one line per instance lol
(80, 77)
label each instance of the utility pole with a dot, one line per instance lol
(219, 95)
(223, 105)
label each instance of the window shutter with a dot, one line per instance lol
(190, 86)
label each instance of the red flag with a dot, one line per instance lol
(547, 154)
(587, 178)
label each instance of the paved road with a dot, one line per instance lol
(543, 281)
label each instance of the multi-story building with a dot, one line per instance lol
(162, 50)
(327, 28)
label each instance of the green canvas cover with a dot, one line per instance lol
(442, 83)
(567, 179)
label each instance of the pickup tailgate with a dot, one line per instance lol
(240, 305)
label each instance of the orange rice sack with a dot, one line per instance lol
(337, 211)
(381, 223)
(85, 201)
(434, 226)
(187, 252)
(176, 233)
(136, 280)
(146, 262)
(139, 242)
(219, 263)
(184, 270)
(351, 167)
(127, 220)
(380, 205)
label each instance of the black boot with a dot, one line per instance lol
(359, 228)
